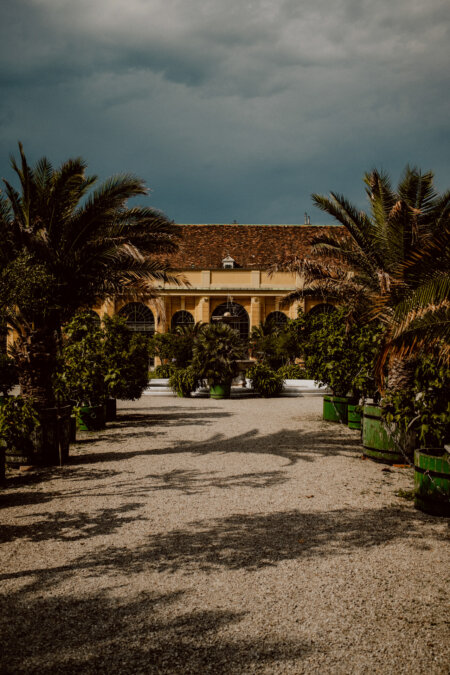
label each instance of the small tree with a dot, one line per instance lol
(216, 350)
(81, 375)
(126, 356)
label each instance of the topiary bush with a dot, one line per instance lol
(265, 381)
(293, 371)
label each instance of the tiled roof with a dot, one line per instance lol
(251, 246)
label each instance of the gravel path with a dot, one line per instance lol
(240, 536)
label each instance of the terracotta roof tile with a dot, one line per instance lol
(251, 246)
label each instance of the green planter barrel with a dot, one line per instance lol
(354, 416)
(91, 418)
(432, 482)
(219, 391)
(377, 443)
(335, 408)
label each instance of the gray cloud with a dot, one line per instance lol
(229, 109)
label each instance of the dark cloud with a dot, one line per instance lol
(229, 109)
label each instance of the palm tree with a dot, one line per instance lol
(65, 246)
(391, 264)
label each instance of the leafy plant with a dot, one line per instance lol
(215, 352)
(293, 371)
(126, 356)
(8, 374)
(183, 381)
(425, 407)
(18, 421)
(82, 371)
(265, 380)
(65, 246)
(165, 370)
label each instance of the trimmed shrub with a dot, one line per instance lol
(265, 381)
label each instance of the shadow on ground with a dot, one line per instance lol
(147, 635)
(248, 541)
(290, 445)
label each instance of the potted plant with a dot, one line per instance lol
(183, 381)
(424, 410)
(81, 377)
(215, 353)
(125, 358)
(19, 421)
(330, 358)
(8, 376)
(265, 381)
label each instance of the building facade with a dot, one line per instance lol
(225, 269)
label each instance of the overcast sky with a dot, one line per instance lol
(230, 109)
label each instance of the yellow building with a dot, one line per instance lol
(225, 268)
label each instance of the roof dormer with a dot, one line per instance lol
(228, 263)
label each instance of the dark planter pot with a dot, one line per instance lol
(335, 408)
(2, 464)
(354, 416)
(73, 429)
(110, 409)
(43, 448)
(91, 418)
(218, 391)
(377, 443)
(432, 481)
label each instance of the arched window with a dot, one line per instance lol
(234, 315)
(323, 308)
(278, 319)
(139, 317)
(182, 318)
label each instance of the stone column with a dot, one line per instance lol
(255, 312)
(203, 310)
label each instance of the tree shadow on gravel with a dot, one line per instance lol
(149, 634)
(292, 446)
(256, 541)
(62, 526)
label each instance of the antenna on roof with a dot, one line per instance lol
(235, 222)
(306, 218)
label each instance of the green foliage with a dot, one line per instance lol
(216, 349)
(276, 345)
(8, 374)
(18, 421)
(265, 380)
(330, 353)
(126, 356)
(176, 347)
(81, 375)
(27, 288)
(164, 370)
(293, 371)
(342, 356)
(163, 345)
(425, 407)
(183, 381)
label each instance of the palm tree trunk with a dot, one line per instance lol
(36, 357)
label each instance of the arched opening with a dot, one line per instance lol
(181, 318)
(139, 318)
(234, 315)
(322, 308)
(277, 319)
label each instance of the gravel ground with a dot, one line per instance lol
(240, 536)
